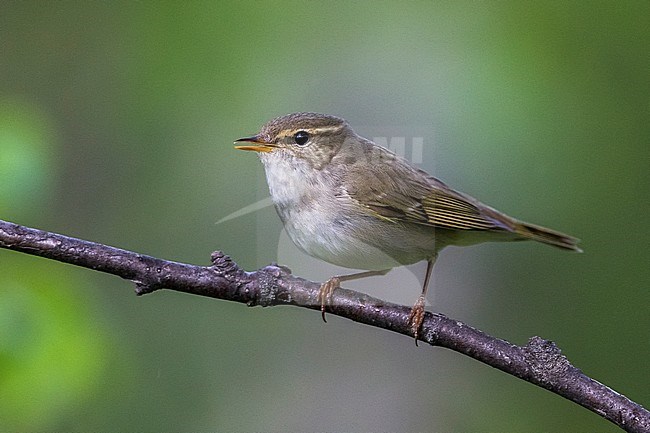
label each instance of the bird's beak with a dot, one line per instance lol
(259, 145)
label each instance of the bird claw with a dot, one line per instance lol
(417, 317)
(325, 294)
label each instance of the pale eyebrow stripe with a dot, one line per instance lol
(324, 129)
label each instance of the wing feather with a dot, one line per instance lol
(399, 192)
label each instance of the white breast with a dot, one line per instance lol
(317, 222)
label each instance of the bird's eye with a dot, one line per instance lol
(301, 138)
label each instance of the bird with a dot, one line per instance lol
(350, 202)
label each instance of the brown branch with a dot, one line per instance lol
(539, 361)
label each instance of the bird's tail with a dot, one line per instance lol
(547, 236)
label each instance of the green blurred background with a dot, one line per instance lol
(116, 125)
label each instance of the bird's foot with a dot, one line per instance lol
(325, 293)
(417, 317)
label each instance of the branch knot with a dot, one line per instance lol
(222, 263)
(545, 359)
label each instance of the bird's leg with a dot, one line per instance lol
(417, 312)
(328, 287)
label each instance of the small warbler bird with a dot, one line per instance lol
(350, 202)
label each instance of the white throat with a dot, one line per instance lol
(291, 180)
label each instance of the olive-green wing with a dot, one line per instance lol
(399, 192)
(395, 191)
